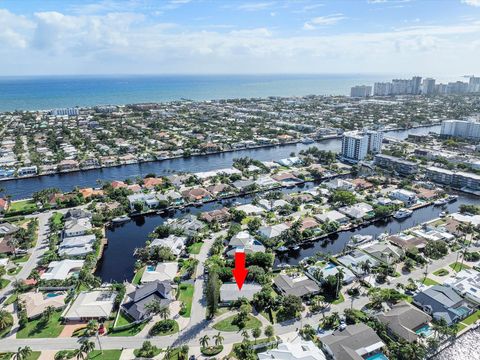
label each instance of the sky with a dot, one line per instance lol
(58, 37)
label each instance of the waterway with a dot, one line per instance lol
(464, 348)
(24, 188)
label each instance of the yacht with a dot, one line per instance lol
(402, 214)
(120, 219)
(440, 202)
(359, 239)
(443, 214)
(307, 140)
(452, 198)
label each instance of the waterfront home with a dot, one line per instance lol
(76, 245)
(308, 223)
(150, 183)
(296, 350)
(243, 185)
(406, 321)
(250, 209)
(407, 241)
(272, 231)
(229, 292)
(175, 243)
(355, 259)
(321, 272)
(4, 204)
(63, 269)
(431, 234)
(171, 197)
(442, 302)
(196, 194)
(383, 251)
(332, 215)
(136, 301)
(339, 184)
(87, 193)
(272, 204)
(210, 174)
(91, 305)
(35, 302)
(77, 214)
(286, 179)
(467, 284)
(76, 227)
(246, 242)
(221, 216)
(7, 229)
(150, 200)
(271, 165)
(291, 161)
(5, 246)
(361, 184)
(408, 197)
(189, 225)
(266, 182)
(355, 342)
(358, 211)
(219, 190)
(68, 165)
(163, 271)
(118, 184)
(296, 284)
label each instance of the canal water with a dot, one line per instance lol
(24, 188)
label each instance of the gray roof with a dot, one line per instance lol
(230, 292)
(441, 301)
(154, 291)
(403, 319)
(346, 344)
(300, 286)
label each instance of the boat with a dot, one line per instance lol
(307, 141)
(443, 214)
(296, 247)
(359, 239)
(402, 214)
(120, 219)
(440, 202)
(452, 198)
(282, 248)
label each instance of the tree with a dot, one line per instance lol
(6, 320)
(218, 339)
(164, 312)
(213, 292)
(245, 335)
(269, 331)
(290, 307)
(22, 353)
(204, 341)
(86, 346)
(47, 314)
(91, 328)
(343, 198)
(256, 333)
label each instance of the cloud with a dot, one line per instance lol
(323, 21)
(472, 2)
(255, 6)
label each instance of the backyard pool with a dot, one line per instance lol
(425, 330)
(378, 356)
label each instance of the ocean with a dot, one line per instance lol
(44, 93)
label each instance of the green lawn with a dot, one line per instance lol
(57, 218)
(36, 329)
(5, 331)
(106, 355)
(138, 276)
(11, 299)
(33, 356)
(456, 266)
(460, 327)
(185, 295)
(21, 259)
(472, 318)
(123, 320)
(132, 331)
(195, 248)
(14, 271)
(4, 283)
(339, 300)
(158, 330)
(226, 324)
(429, 282)
(22, 205)
(441, 272)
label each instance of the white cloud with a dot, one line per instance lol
(323, 21)
(255, 6)
(472, 2)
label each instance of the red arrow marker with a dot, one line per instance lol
(240, 273)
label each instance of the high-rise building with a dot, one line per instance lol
(375, 139)
(361, 91)
(415, 85)
(382, 89)
(457, 87)
(428, 86)
(474, 84)
(468, 129)
(400, 86)
(65, 111)
(354, 146)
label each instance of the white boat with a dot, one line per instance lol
(120, 219)
(440, 202)
(307, 141)
(443, 214)
(452, 198)
(296, 247)
(282, 248)
(359, 239)
(402, 214)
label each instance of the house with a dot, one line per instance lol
(4, 203)
(77, 214)
(360, 183)
(355, 342)
(266, 182)
(246, 242)
(5, 246)
(76, 227)
(358, 211)
(76, 245)
(91, 305)
(355, 259)
(291, 161)
(189, 225)
(286, 179)
(272, 231)
(164, 271)
(89, 192)
(299, 285)
(250, 209)
(171, 197)
(407, 241)
(407, 197)
(339, 184)
(35, 303)
(441, 301)
(118, 184)
(405, 321)
(467, 284)
(66, 165)
(135, 305)
(272, 204)
(331, 269)
(298, 350)
(220, 216)
(151, 182)
(175, 243)
(383, 251)
(229, 292)
(243, 185)
(219, 190)
(196, 194)
(7, 229)
(150, 200)
(63, 269)
(308, 223)
(332, 215)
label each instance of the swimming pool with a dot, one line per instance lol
(330, 266)
(378, 356)
(51, 295)
(425, 330)
(150, 268)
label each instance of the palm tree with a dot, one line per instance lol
(154, 307)
(204, 341)
(47, 313)
(85, 348)
(91, 327)
(22, 353)
(6, 320)
(164, 312)
(218, 339)
(245, 335)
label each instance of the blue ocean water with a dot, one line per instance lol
(33, 93)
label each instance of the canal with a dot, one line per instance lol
(24, 188)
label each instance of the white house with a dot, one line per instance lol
(76, 227)
(467, 284)
(297, 350)
(408, 197)
(175, 243)
(91, 305)
(61, 270)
